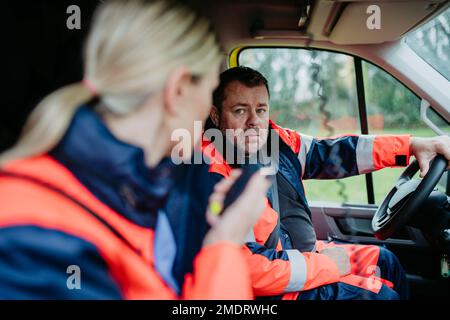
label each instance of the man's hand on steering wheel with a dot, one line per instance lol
(404, 201)
(425, 149)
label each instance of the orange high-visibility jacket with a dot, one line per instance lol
(42, 193)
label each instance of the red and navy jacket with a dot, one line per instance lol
(284, 270)
(133, 232)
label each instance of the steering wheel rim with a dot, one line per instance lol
(407, 195)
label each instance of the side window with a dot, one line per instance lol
(393, 109)
(313, 92)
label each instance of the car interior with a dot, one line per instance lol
(335, 67)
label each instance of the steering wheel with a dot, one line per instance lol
(406, 197)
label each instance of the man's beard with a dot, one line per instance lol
(259, 154)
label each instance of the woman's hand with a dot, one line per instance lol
(238, 219)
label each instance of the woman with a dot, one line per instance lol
(91, 204)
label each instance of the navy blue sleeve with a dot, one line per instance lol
(330, 158)
(34, 265)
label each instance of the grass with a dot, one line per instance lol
(355, 187)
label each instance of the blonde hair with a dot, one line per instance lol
(131, 49)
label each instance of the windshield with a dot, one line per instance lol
(432, 43)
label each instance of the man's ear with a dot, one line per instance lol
(214, 115)
(176, 87)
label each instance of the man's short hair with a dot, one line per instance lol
(245, 75)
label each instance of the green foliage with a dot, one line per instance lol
(432, 43)
(301, 81)
(385, 95)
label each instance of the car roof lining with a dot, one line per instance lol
(340, 22)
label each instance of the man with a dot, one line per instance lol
(296, 264)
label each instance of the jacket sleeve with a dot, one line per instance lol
(276, 272)
(350, 155)
(220, 273)
(35, 262)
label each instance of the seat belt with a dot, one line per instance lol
(274, 192)
(272, 241)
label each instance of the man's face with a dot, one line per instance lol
(247, 109)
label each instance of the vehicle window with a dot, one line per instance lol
(432, 43)
(313, 92)
(393, 109)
